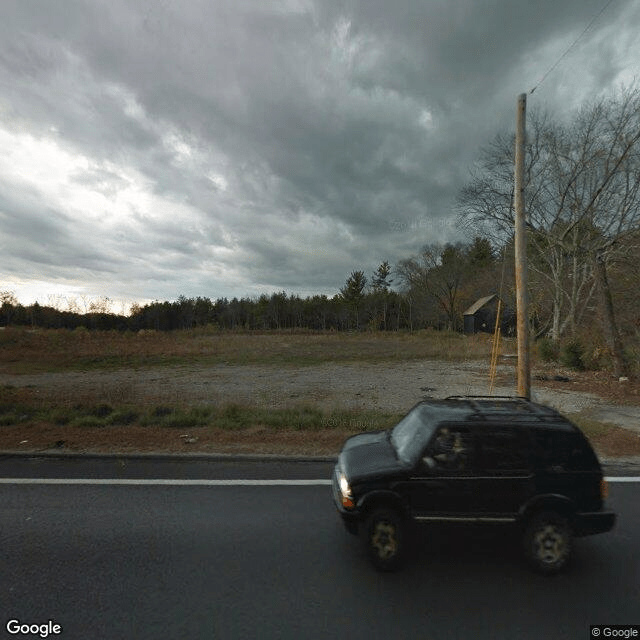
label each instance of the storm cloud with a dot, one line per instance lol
(159, 148)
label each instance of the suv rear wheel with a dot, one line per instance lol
(547, 542)
(383, 537)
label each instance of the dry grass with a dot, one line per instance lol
(608, 440)
(33, 351)
(136, 439)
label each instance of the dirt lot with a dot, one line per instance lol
(393, 388)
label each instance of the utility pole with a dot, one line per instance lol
(522, 302)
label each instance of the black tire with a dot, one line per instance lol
(383, 535)
(548, 542)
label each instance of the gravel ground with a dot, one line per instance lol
(389, 387)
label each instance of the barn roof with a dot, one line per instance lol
(478, 304)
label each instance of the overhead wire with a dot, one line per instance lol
(573, 44)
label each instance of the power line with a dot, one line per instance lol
(573, 44)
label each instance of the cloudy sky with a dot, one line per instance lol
(157, 148)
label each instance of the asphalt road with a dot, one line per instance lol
(151, 561)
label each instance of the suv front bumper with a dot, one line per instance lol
(588, 524)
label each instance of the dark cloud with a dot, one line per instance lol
(232, 147)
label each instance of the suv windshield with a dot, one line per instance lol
(411, 434)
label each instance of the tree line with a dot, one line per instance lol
(431, 290)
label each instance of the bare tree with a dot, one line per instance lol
(438, 273)
(101, 305)
(486, 203)
(8, 303)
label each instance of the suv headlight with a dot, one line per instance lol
(345, 490)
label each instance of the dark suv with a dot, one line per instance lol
(473, 460)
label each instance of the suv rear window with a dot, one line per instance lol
(566, 449)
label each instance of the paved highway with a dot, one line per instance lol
(150, 561)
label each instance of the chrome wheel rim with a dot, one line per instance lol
(384, 540)
(550, 544)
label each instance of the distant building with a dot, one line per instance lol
(481, 316)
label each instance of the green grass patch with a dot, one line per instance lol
(24, 405)
(8, 419)
(314, 419)
(60, 416)
(187, 418)
(101, 410)
(123, 417)
(227, 417)
(87, 421)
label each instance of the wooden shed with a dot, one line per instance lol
(481, 315)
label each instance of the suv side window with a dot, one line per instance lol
(503, 451)
(564, 450)
(451, 448)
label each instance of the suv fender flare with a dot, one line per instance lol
(547, 502)
(382, 498)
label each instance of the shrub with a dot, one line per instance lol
(593, 358)
(548, 350)
(572, 355)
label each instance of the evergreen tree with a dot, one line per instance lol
(381, 280)
(353, 292)
(380, 284)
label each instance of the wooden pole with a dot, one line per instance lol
(524, 370)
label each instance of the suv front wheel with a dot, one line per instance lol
(383, 536)
(547, 542)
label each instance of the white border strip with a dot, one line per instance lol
(622, 478)
(169, 481)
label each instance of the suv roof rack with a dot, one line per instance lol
(481, 397)
(488, 407)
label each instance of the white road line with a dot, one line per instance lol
(207, 483)
(171, 481)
